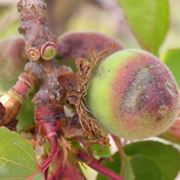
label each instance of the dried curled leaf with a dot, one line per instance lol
(75, 86)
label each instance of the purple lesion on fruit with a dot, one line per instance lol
(144, 87)
(134, 98)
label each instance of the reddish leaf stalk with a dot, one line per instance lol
(46, 117)
(58, 171)
(94, 164)
(66, 169)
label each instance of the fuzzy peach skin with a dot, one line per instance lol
(80, 44)
(133, 95)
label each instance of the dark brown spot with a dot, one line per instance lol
(2, 111)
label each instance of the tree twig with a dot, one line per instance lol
(120, 150)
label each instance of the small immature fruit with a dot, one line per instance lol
(12, 61)
(80, 44)
(133, 95)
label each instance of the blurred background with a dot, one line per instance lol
(89, 15)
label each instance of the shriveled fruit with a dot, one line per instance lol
(133, 95)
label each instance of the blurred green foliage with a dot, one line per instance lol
(172, 60)
(149, 21)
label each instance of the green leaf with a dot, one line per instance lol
(115, 166)
(145, 168)
(26, 116)
(17, 159)
(165, 156)
(172, 60)
(101, 150)
(149, 20)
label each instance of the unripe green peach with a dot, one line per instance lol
(133, 95)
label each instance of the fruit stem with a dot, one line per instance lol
(118, 143)
(94, 164)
